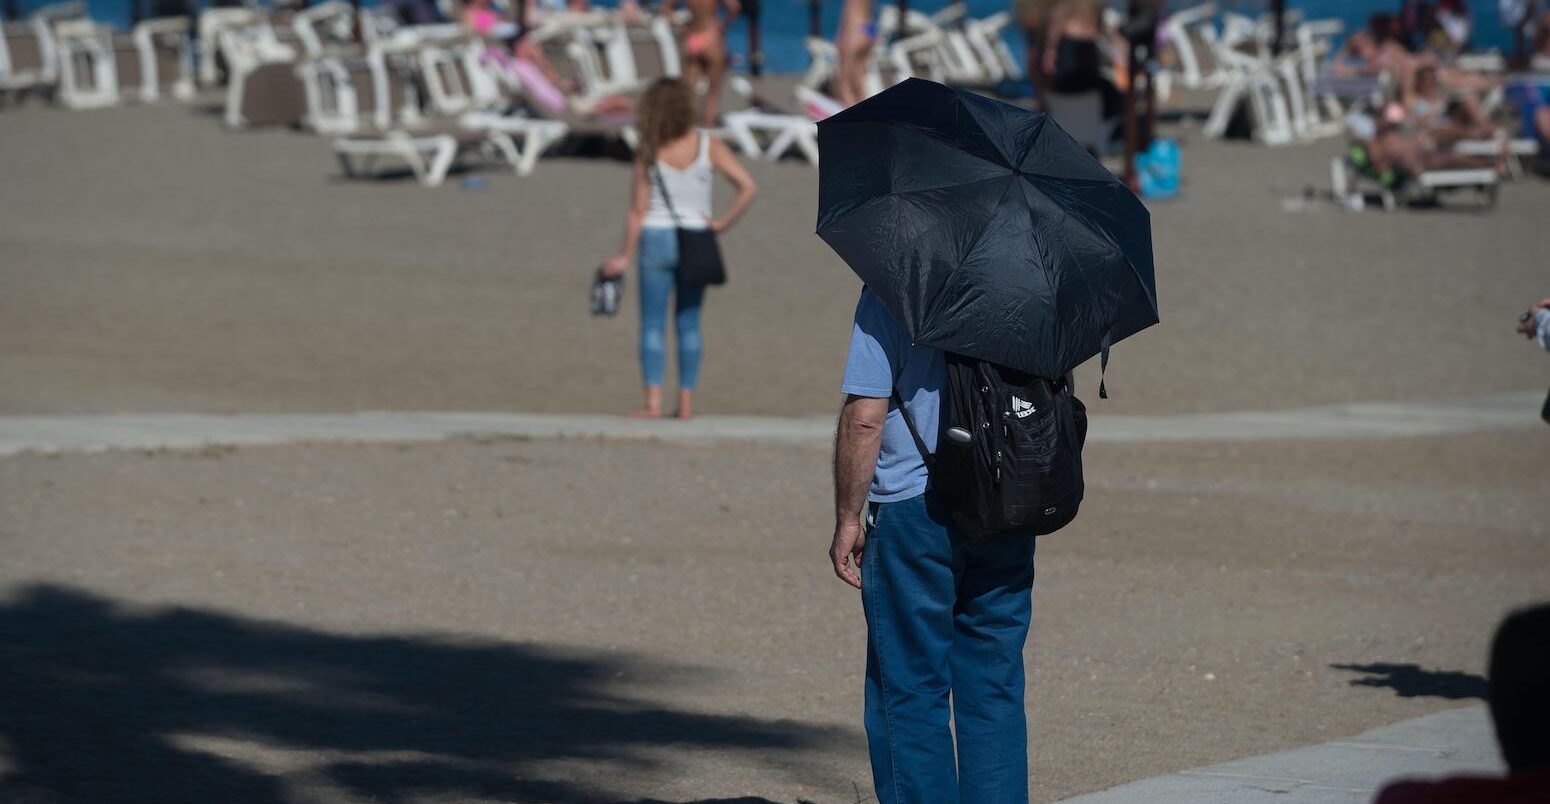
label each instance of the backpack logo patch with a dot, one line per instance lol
(1022, 408)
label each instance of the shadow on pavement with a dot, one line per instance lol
(111, 705)
(1411, 681)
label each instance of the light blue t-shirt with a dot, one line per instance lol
(882, 359)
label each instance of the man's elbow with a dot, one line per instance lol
(864, 417)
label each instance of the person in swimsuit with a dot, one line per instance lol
(1432, 110)
(705, 45)
(854, 44)
(1073, 59)
(670, 188)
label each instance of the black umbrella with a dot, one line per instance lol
(984, 228)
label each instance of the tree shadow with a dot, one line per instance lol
(110, 705)
(1411, 681)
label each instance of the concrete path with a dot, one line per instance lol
(53, 434)
(1348, 771)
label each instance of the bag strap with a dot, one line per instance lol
(920, 443)
(656, 176)
(1103, 364)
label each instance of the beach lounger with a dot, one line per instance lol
(88, 76)
(458, 88)
(99, 68)
(1192, 32)
(1352, 177)
(163, 60)
(212, 22)
(783, 125)
(386, 122)
(326, 29)
(263, 88)
(29, 54)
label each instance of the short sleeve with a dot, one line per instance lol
(873, 364)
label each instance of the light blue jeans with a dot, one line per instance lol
(658, 275)
(946, 622)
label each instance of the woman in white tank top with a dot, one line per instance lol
(675, 158)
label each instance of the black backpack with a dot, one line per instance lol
(1009, 454)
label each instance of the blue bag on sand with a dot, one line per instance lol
(1159, 169)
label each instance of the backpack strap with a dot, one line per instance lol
(920, 443)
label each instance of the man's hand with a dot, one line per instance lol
(849, 538)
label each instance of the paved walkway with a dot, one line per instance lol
(1348, 771)
(54, 434)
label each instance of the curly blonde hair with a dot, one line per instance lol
(666, 113)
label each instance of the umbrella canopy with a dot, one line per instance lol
(984, 228)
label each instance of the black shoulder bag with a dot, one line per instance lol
(699, 255)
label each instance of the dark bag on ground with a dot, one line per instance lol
(699, 255)
(1009, 454)
(606, 293)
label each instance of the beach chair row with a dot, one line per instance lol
(82, 64)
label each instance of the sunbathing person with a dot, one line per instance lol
(1444, 116)
(520, 60)
(705, 46)
(854, 42)
(1397, 155)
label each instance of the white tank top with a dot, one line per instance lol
(689, 188)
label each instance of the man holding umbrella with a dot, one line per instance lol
(992, 246)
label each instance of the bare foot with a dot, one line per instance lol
(685, 406)
(652, 408)
(683, 415)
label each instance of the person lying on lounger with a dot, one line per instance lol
(1446, 117)
(1396, 155)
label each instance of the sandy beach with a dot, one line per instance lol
(585, 621)
(155, 262)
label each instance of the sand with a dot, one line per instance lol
(606, 622)
(155, 262)
(588, 622)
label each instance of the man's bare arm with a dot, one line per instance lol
(857, 440)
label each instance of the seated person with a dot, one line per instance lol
(521, 60)
(1520, 707)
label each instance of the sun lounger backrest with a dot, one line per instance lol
(649, 64)
(557, 51)
(23, 48)
(126, 61)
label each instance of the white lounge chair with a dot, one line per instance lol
(29, 53)
(88, 76)
(459, 87)
(1193, 35)
(1350, 184)
(386, 122)
(778, 124)
(262, 86)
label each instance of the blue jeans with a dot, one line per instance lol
(946, 622)
(658, 274)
